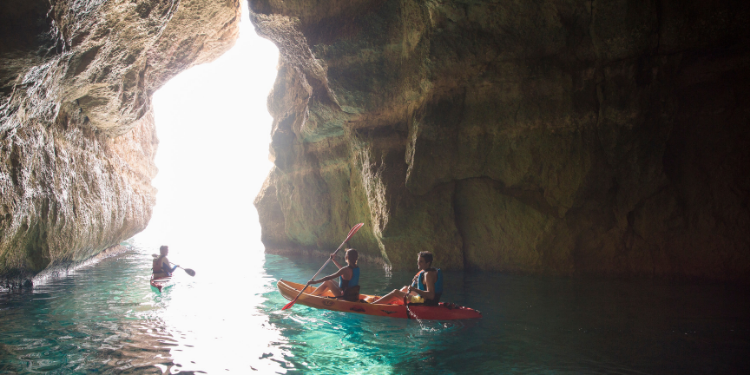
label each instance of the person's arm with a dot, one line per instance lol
(429, 280)
(411, 286)
(331, 277)
(333, 258)
(169, 265)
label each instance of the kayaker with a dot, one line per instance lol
(161, 266)
(348, 286)
(426, 287)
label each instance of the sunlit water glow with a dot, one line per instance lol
(106, 319)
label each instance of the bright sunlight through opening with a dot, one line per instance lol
(214, 129)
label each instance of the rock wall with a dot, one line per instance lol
(77, 137)
(549, 137)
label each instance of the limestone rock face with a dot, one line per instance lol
(551, 137)
(77, 137)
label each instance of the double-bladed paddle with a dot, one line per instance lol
(351, 233)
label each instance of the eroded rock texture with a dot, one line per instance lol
(556, 137)
(77, 135)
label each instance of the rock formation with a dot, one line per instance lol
(558, 137)
(77, 136)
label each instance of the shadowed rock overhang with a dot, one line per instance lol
(550, 137)
(77, 137)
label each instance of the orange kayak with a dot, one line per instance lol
(444, 311)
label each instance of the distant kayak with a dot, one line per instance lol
(160, 284)
(444, 311)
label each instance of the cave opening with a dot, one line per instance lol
(214, 129)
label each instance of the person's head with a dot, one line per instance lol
(424, 260)
(164, 250)
(351, 256)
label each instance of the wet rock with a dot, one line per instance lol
(77, 134)
(553, 137)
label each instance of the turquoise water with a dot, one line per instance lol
(105, 319)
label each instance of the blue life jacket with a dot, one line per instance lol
(350, 288)
(419, 283)
(351, 283)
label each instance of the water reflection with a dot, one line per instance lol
(217, 314)
(106, 319)
(81, 324)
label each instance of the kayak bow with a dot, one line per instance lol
(444, 311)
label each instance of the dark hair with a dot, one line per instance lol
(354, 254)
(427, 256)
(163, 248)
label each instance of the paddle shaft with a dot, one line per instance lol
(321, 268)
(351, 233)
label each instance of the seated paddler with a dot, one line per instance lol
(161, 266)
(426, 287)
(348, 285)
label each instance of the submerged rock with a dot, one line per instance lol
(552, 137)
(77, 135)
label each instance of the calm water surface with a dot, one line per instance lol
(105, 319)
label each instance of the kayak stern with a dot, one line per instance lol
(160, 284)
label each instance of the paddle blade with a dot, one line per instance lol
(189, 271)
(288, 305)
(353, 230)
